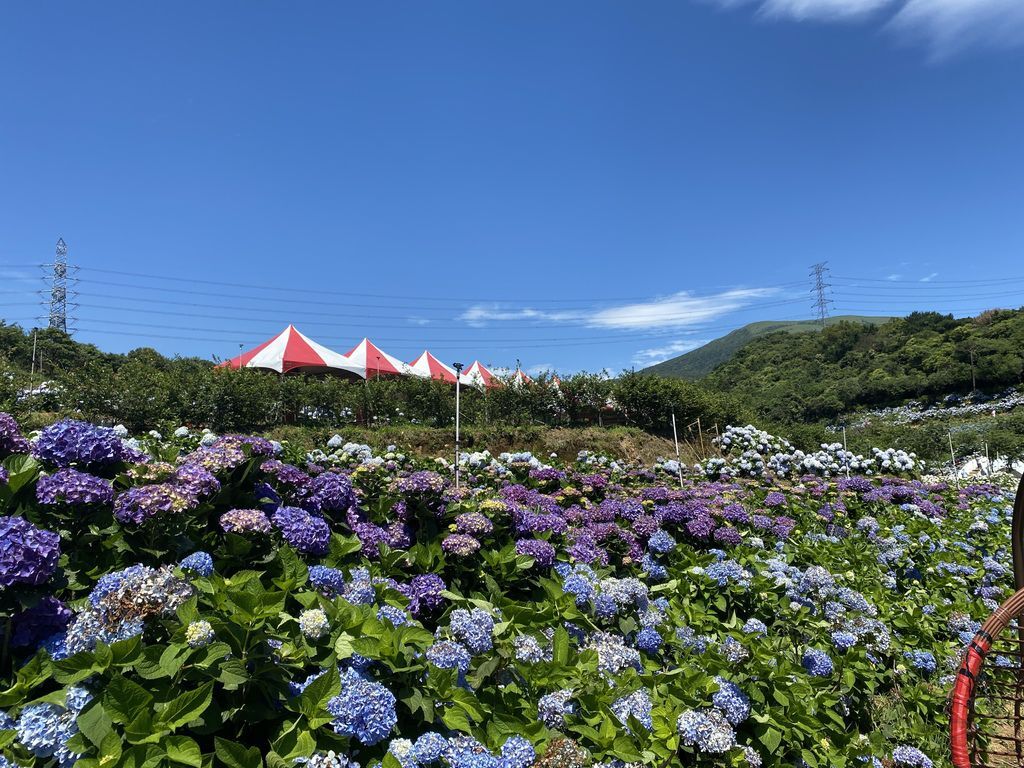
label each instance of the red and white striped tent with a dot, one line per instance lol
(520, 379)
(429, 367)
(370, 361)
(478, 376)
(290, 351)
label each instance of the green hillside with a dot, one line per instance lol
(811, 376)
(699, 362)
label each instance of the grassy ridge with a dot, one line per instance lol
(699, 362)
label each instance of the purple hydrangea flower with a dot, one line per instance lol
(329, 582)
(542, 552)
(74, 489)
(473, 524)
(302, 530)
(424, 593)
(421, 483)
(775, 499)
(28, 555)
(33, 625)
(11, 440)
(328, 494)
(71, 442)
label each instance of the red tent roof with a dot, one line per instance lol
(429, 367)
(371, 361)
(290, 350)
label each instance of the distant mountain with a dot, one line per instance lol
(699, 362)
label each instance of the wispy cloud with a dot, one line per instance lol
(418, 320)
(660, 354)
(929, 278)
(944, 25)
(679, 310)
(894, 277)
(481, 314)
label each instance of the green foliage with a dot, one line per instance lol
(699, 362)
(789, 378)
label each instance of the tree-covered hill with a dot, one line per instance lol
(790, 378)
(701, 361)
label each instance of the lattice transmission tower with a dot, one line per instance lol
(822, 302)
(60, 281)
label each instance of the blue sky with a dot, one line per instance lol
(576, 185)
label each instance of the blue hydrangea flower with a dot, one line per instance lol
(923, 661)
(200, 563)
(429, 747)
(396, 616)
(447, 654)
(329, 582)
(648, 640)
(755, 627)
(911, 756)
(517, 752)
(638, 705)
(661, 542)
(364, 709)
(817, 662)
(553, 708)
(707, 730)
(475, 629)
(733, 703)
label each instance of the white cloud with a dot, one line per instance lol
(655, 355)
(894, 277)
(944, 25)
(950, 25)
(418, 320)
(676, 311)
(929, 278)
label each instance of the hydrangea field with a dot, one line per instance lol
(207, 600)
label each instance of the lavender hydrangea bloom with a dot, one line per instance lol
(459, 545)
(144, 502)
(447, 654)
(11, 440)
(553, 708)
(4, 477)
(244, 521)
(473, 524)
(71, 442)
(517, 752)
(28, 555)
(308, 534)
(196, 480)
(421, 483)
(73, 488)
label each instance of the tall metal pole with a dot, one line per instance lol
(59, 288)
(32, 375)
(819, 272)
(458, 381)
(847, 450)
(675, 439)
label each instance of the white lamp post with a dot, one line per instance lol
(458, 378)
